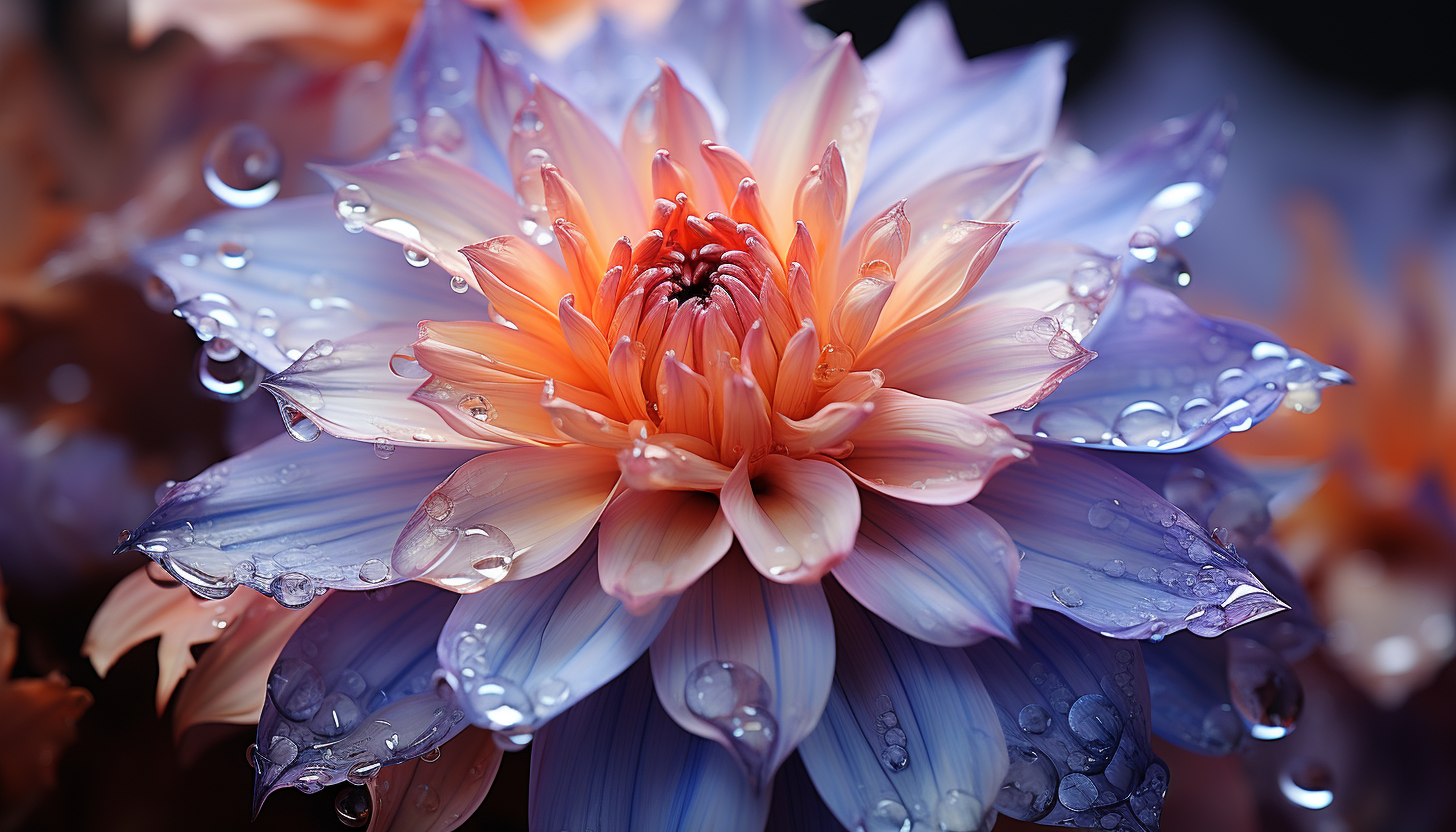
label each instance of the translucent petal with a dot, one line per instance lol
(617, 761)
(521, 652)
(909, 731)
(796, 519)
(1169, 379)
(657, 543)
(1100, 547)
(322, 510)
(770, 634)
(230, 681)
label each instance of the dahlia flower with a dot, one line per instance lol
(753, 432)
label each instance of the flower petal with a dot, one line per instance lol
(988, 358)
(616, 761)
(425, 201)
(328, 510)
(656, 543)
(274, 280)
(928, 450)
(438, 796)
(348, 389)
(352, 690)
(937, 275)
(1069, 282)
(744, 653)
(1100, 547)
(523, 284)
(506, 515)
(942, 574)
(230, 681)
(668, 117)
(1169, 379)
(908, 727)
(796, 519)
(1073, 707)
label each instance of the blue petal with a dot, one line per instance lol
(329, 511)
(435, 89)
(1099, 546)
(617, 761)
(520, 652)
(1074, 709)
(742, 648)
(1161, 183)
(909, 732)
(274, 280)
(796, 806)
(352, 690)
(1168, 379)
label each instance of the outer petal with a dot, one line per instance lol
(796, 519)
(778, 642)
(937, 121)
(522, 652)
(1169, 379)
(274, 280)
(928, 450)
(329, 510)
(657, 543)
(231, 679)
(1074, 709)
(506, 515)
(1162, 182)
(437, 796)
(991, 359)
(942, 574)
(909, 728)
(425, 201)
(616, 761)
(352, 690)
(348, 390)
(1100, 547)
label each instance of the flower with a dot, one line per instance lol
(744, 374)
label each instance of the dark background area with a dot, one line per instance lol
(126, 773)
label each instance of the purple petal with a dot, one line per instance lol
(352, 691)
(1160, 184)
(796, 806)
(1074, 708)
(315, 516)
(520, 652)
(1100, 547)
(741, 653)
(943, 113)
(1168, 379)
(274, 280)
(909, 730)
(617, 761)
(943, 574)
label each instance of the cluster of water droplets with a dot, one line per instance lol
(438, 531)
(535, 221)
(735, 699)
(243, 166)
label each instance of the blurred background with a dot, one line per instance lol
(1336, 225)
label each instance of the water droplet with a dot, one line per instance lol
(478, 408)
(353, 806)
(233, 255)
(527, 124)
(383, 448)
(295, 688)
(1102, 513)
(1114, 569)
(887, 816)
(490, 551)
(352, 203)
(552, 693)
(1092, 279)
(1144, 424)
(243, 166)
(1030, 788)
(338, 715)
(281, 752)
(438, 506)
(895, 757)
(1034, 719)
(500, 703)
(1264, 689)
(416, 257)
(292, 589)
(1067, 596)
(833, 364)
(432, 756)
(459, 285)
(735, 699)
(363, 771)
(296, 422)
(1307, 783)
(1077, 792)
(1206, 620)
(373, 571)
(1096, 723)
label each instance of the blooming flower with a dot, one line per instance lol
(701, 382)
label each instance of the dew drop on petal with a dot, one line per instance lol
(887, 816)
(1034, 719)
(295, 688)
(489, 550)
(1077, 792)
(243, 166)
(459, 285)
(1067, 596)
(353, 807)
(352, 203)
(233, 255)
(438, 506)
(500, 703)
(373, 571)
(336, 716)
(478, 408)
(293, 589)
(1030, 788)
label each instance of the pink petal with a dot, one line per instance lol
(231, 679)
(492, 414)
(989, 358)
(669, 117)
(825, 430)
(746, 431)
(683, 400)
(794, 391)
(656, 543)
(530, 277)
(796, 519)
(492, 352)
(672, 462)
(928, 450)
(521, 511)
(935, 276)
(415, 796)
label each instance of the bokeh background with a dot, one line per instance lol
(1336, 224)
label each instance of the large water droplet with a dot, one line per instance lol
(1144, 424)
(293, 589)
(1034, 719)
(527, 123)
(459, 285)
(1030, 788)
(735, 699)
(383, 448)
(1077, 792)
(887, 816)
(338, 715)
(243, 166)
(296, 422)
(1096, 723)
(233, 255)
(1068, 596)
(489, 550)
(1206, 620)
(295, 688)
(1307, 783)
(352, 203)
(500, 703)
(834, 363)
(373, 571)
(438, 506)
(353, 806)
(959, 811)
(1263, 688)
(478, 408)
